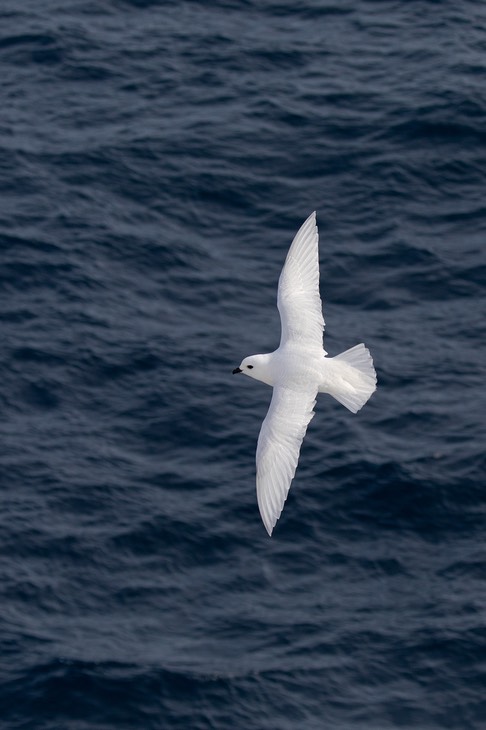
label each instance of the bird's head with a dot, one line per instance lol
(257, 367)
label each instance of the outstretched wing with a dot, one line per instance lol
(278, 449)
(299, 302)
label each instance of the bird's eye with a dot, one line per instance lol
(250, 367)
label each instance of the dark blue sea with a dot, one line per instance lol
(156, 160)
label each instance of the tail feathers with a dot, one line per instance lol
(354, 378)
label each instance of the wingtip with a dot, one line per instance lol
(268, 526)
(310, 217)
(313, 218)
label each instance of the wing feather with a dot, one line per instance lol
(278, 449)
(299, 301)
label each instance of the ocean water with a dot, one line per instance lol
(156, 159)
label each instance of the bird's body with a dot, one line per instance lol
(298, 370)
(291, 365)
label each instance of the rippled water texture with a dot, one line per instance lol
(156, 159)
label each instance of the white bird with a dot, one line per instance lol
(298, 370)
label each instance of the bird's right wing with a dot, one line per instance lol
(278, 449)
(299, 301)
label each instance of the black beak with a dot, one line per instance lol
(237, 370)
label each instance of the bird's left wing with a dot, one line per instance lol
(278, 448)
(299, 301)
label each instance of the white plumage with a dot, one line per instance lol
(298, 370)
